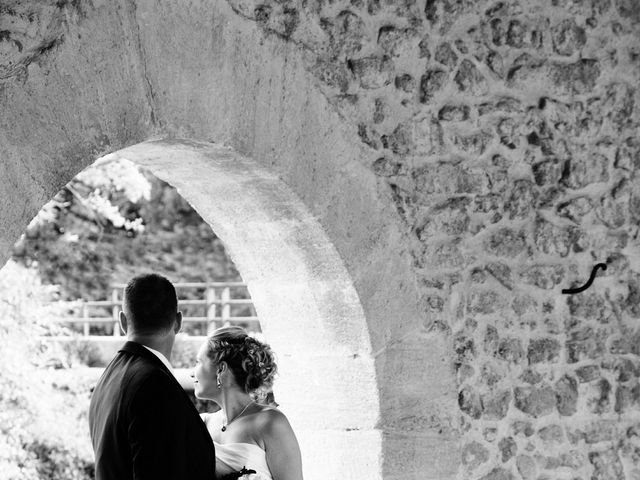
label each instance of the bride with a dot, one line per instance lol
(246, 434)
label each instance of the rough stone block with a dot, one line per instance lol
(472, 144)
(627, 155)
(335, 75)
(506, 242)
(391, 39)
(401, 139)
(523, 304)
(450, 218)
(543, 276)
(572, 460)
(491, 339)
(579, 77)
(526, 467)
(386, 167)
(455, 113)
(470, 403)
(522, 199)
(431, 82)
(428, 136)
(510, 350)
(446, 55)
(535, 401)
(469, 79)
(612, 212)
(474, 454)
(484, 302)
(554, 240)
(598, 431)
(348, 32)
(464, 347)
(599, 397)
(405, 82)
(373, 71)
(498, 473)
(628, 9)
(587, 373)
(589, 306)
(606, 465)
(561, 78)
(521, 427)
(578, 350)
(583, 171)
(625, 369)
(626, 398)
(516, 32)
(445, 255)
(423, 48)
(496, 404)
(495, 62)
(531, 376)
(543, 350)
(446, 178)
(551, 434)
(567, 37)
(548, 172)
(508, 448)
(567, 395)
(575, 209)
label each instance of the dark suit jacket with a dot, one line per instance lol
(143, 425)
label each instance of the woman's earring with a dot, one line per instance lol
(218, 382)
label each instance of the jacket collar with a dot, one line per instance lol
(140, 351)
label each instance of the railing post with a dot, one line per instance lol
(226, 307)
(115, 312)
(85, 316)
(210, 297)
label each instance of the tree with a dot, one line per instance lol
(102, 193)
(114, 221)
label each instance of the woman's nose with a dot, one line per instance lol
(192, 374)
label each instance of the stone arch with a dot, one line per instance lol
(201, 71)
(308, 306)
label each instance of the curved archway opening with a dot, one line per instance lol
(308, 307)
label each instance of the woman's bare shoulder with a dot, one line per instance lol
(270, 419)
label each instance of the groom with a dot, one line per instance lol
(143, 425)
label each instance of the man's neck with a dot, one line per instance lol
(161, 343)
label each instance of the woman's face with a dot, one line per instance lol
(204, 376)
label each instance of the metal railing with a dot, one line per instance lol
(218, 306)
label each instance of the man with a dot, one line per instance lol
(143, 425)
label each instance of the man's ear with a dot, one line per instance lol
(178, 324)
(123, 322)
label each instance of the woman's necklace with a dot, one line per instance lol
(228, 422)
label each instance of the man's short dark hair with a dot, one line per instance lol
(150, 303)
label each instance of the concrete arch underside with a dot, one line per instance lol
(202, 73)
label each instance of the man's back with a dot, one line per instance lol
(144, 426)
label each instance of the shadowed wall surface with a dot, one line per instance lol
(466, 159)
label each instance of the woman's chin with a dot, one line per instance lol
(200, 395)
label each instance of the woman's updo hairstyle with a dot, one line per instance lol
(251, 361)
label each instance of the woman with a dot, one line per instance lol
(230, 366)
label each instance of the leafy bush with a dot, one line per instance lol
(43, 423)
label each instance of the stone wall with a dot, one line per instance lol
(507, 134)
(502, 136)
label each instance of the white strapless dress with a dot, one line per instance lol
(232, 457)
